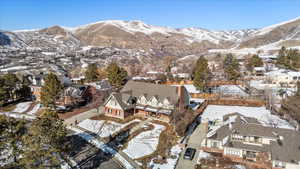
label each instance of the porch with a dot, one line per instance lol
(151, 112)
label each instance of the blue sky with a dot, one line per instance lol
(210, 14)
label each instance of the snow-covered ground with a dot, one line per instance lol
(216, 113)
(203, 155)
(232, 90)
(171, 162)
(18, 115)
(190, 88)
(15, 68)
(145, 143)
(22, 107)
(238, 167)
(34, 109)
(108, 128)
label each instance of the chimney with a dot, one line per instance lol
(180, 93)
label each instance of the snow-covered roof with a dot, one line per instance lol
(259, 69)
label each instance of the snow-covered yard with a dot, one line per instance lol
(232, 90)
(171, 162)
(145, 143)
(22, 107)
(216, 113)
(107, 128)
(34, 109)
(203, 155)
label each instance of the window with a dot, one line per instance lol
(215, 144)
(233, 152)
(279, 164)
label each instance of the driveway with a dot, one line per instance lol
(87, 156)
(194, 142)
(85, 115)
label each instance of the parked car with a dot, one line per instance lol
(189, 153)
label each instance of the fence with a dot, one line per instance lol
(237, 102)
(212, 83)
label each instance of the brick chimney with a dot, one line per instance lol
(180, 92)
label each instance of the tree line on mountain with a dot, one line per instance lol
(37, 144)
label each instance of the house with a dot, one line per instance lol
(74, 95)
(283, 77)
(259, 71)
(36, 85)
(245, 140)
(147, 100)
(101, 85)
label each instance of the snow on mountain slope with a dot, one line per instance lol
(139, 35)
(193, 34)
(272, 27)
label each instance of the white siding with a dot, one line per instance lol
(112, 103)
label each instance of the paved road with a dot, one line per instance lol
(193, 142)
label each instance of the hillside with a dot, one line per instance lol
(159, 41)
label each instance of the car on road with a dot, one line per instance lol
(189, 153)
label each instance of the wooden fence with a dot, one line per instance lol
(237, 102)
(212, 83)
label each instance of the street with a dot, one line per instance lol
(194, 142)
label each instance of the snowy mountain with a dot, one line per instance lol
(155, 39)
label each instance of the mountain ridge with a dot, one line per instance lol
(157, 39)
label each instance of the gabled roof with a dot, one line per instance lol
(122, 99)
(161, 92)
(284, 147)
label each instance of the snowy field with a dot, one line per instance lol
(145, 143)
(216, 113)
(108, 128)
(22, 107)
(171, 162)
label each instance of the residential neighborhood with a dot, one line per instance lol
(124, 94)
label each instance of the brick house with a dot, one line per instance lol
(147, 99)
(245, 140)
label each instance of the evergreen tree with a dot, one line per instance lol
(201, 73)
(255, 61)
(116, 75)
(91, 74)
(45, 142)
(50, 90)
(231, 67)
(11, 132)
(298, 89)
(289, 59)
(4, 95)
(11, 83)
(281, 59)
